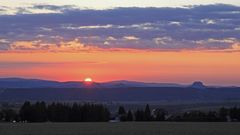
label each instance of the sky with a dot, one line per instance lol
(150, 41)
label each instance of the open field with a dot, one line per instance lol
(130, 128)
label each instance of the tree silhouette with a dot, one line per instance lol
(9, 115)
(129, 116)
(147, 112)
(223, 112)
(121, 110)
(61, 112)
(140, 115)
(26, 112)
(122, 113)
(160, 114)
(58, 112)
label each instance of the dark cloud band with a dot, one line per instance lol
(211, 27)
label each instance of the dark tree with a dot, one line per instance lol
(234, 114)
(9, 115)
(212, 116)
(122, 113)
(121, 110)
(61, 112)
(76, 114)
(140, 115)
(160, 114)
(129, 116)
(196, 116)
(1, 116)
(40, 112)
(223, 112)
(26, 112)
(51, 111)
(58, 112)
(147, 112)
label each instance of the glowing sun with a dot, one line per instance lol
(88, 80)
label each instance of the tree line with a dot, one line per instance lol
(57, 112)
(61, 112)
(222, 115)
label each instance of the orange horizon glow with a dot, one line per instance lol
(88, 79)
(214, 68)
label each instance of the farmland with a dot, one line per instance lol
(122, 128)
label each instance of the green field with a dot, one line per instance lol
(134, 128)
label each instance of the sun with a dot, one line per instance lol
(88, 79)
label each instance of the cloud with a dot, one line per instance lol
(175, 23)
(54, 7)
(88, 27)
(162, 40)
(218, 41)
(27, 65)
(110, 38)
(45, 29)
(237, 29)
(24, 65)
(36, 9)
(26, 45)
(38, 45)
(208, 21)
(236, 46)
(4, 41)
(58, 28)
(130, 38)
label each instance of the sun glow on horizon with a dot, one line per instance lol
(213, 68)
(88, 79)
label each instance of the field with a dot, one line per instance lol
(131, 128)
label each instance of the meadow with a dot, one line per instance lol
(122, 128)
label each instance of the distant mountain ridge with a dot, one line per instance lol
(198, 85)
(37, 83)
(18, 89)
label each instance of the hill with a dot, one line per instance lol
(15, 89)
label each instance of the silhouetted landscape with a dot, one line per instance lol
(20, 90)
(89, 112)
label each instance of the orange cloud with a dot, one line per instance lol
(26, 45)
(76, 45)
(38, 45)
(130, 38)
(236, 46)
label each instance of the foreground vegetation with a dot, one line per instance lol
(61, 112)
(122, 128)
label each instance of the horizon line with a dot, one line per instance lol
(149, 82)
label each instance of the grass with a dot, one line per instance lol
(128, 128)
